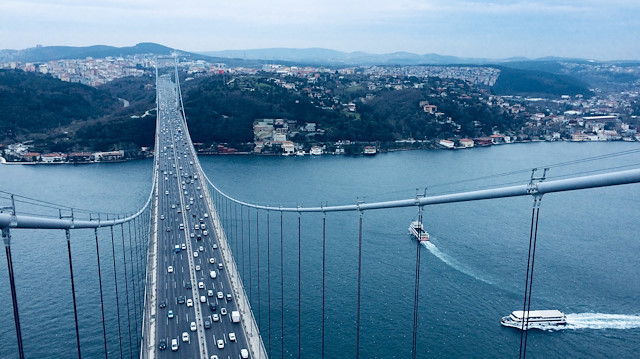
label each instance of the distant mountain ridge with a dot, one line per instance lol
(324, 56)
(52, 53)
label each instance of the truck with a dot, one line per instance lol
(235, 316)
(176, 248)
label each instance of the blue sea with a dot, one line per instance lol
(472, 271)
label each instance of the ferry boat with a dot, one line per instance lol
(537, 319)
(418, 231)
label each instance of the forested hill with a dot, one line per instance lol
(537, 83)
(32, 103)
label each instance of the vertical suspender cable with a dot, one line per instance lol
(133, 280)
(137, 235)
(104, 329)
(250, 271)
(6, 236)
(242, 239)
(258, 250)
(359, 280)
(416, 296)
(235, 210)
(526, 283)
(115, 274)
(73, 291)
(126, 287)
(268, 283)
(533, 260)
(299, 286)
(324, 257)
(281, 289)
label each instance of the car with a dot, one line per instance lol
(179, 210)
(201, 285)
(185, 336)
(168, 229)
(202, 226)
(229, 297)
(170, 314)
(181, 299)
(163, 303)
(232, 337)
(201, 248)
(173, 206)
(215, 317)
(193, 327)
(212, 306)
(162, 216)
(163, 344)
(205, 232)
(174, 344)
(215, 246)
(201, 220)
(220, 344)
(199, 237)
(207, 324)
(197, 268)
(213, 274)
(188, 284)
(223, 311)
(244, 353)
(170, 269)
(200, 196)
(184, 246)
(212, 260)
(196, 226)
(220, 266)
(203, 299)
(195, 254)
(192, 235)
(214, 357)
(189, 302)
(209, 293)
(220, 296)
(166, 192)
(206, 215)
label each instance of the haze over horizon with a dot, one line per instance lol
(493, 29)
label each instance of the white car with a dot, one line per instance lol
(220, 344)
(170, 269)
(195, 254)
(189, 303)
(201, 248)
(213, 274)
(184, 246)
(215, 317)
(205, 232)
(197, 268)
(193, 327)
(220, 296)
(174, 345)
(209, 293)
(201, 285)
(223, 311)
(192, 235)
(212, 260)
(166, 192)
(232, 337)
(185, 336)
(206, 215)
(244, 353)
(203, 299)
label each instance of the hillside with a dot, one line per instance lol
(35, 103)
(537, 83)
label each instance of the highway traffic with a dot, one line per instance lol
(197, 314)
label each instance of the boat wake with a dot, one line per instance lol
(452, 262)
(600, 321)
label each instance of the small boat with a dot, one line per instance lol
(537, 319)
(418, 231)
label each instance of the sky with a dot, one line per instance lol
(592, 29)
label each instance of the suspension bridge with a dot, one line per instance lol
(186, 290)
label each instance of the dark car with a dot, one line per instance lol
(163, 303)
(188, 285)
(207, 324)
(163, 344)
(212, 306)
(181, 299)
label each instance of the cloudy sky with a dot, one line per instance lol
(598, 29)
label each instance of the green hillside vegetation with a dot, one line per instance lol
(35, 103)
(537, 83)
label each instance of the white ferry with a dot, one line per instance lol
(537, 319)
(418, 231)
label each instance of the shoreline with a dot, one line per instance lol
(5, 162)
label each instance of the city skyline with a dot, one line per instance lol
(482, 29)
